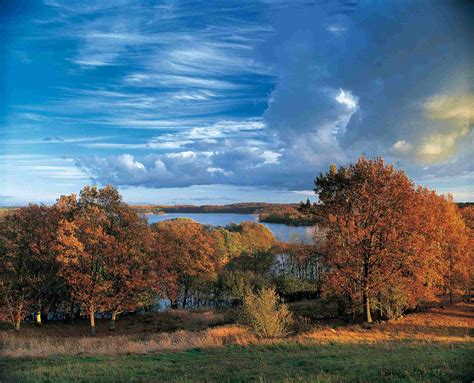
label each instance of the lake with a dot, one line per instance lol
(281, 231)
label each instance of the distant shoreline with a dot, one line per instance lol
(286, 214)
(279, 213)
(239, 208)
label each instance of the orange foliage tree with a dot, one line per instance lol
(467, 214)
(380, 235)
(130, 269)
(451, 245)
(28, 268)
(103, 247)
(84, 248)
(255, 237)
(183, 250)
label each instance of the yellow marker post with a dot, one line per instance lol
(38, 318)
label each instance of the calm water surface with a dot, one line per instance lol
(280, 231)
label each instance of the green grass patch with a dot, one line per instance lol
(286, 362)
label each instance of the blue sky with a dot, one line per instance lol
(222, 101)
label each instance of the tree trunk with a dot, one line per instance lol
(174, 304)
(366, 301)
(367, 309)
(365, 286)
(185, 298)
(113, 318)
(185, 294)
(380, 307)
(18, 321)
(92, 320)
(341, 307)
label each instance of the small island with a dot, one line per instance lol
(289, 215)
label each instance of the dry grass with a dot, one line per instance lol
(453, 324)
(15, 346)
(144, 335)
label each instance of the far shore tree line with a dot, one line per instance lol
(381, 246)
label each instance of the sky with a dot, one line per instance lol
(230, 101)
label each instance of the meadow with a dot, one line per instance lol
(431, 346)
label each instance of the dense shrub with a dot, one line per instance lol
(266, 315)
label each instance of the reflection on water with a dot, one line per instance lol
(281, 232)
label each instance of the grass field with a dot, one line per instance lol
(389, 361)
(434, 346)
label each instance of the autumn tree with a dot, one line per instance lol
(387, 243)
(103, 252)
(457, 252)
(254, 242)
(252, 258)
(367, 209)
(15, 278)
(228, 244)
(451, 244)
(467, 214)
(28, 266)
(48, 287)
(130, 268)
(183, 250)
(84, 250)
(254, 237)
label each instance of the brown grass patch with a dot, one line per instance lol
(452, 324)
(15, 346)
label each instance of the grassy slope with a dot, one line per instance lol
(432, 346)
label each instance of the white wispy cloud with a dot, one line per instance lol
(211, 135)
(43, 166)
(53, 140)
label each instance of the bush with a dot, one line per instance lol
(393, 303)
(295, 289)
(265, 314)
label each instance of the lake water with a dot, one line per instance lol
(281, 232)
